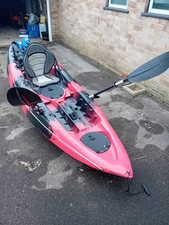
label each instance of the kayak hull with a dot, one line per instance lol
(74, 123)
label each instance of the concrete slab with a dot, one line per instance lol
(73, 63)
(134, 89)
(40, 184)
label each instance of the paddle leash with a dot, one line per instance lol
(143, 188)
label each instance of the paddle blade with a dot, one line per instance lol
(18, 96)
(150, 69)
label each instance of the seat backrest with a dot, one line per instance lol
(38, 60)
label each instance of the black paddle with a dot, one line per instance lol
(147, 71)
(18, 96)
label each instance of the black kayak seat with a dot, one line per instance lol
(38, 62)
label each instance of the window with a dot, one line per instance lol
(118, 4)
(159, 6)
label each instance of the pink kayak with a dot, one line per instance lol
(63, 112)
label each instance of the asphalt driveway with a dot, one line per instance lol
(42, 185)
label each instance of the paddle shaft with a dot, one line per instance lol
(106, 89)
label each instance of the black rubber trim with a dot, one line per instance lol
(155, 15)
(116, 9)
(43, 114)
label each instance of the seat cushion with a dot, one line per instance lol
(37, 62)
(44, 80)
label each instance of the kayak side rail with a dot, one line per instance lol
(65, 76)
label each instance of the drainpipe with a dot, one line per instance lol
(28, 6)
(49, 20)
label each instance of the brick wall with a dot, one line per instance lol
(120, 42)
